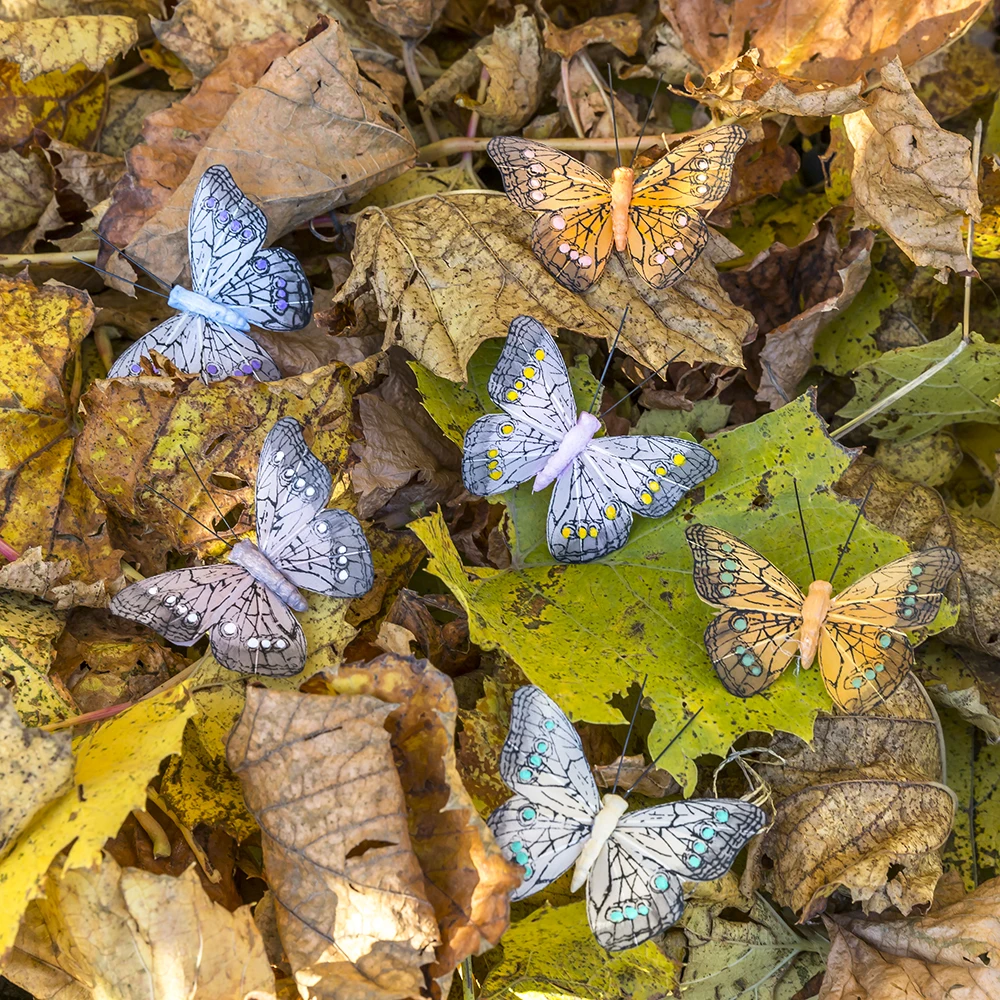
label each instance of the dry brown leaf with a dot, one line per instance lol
(173, 137)
(319, 776)
(862, 798)
(910, 176)
(793, 293)
(628, 771)
(25, 189)
(310, 135)
(951, 952)
(450, 271)
(411, 19)
(836, 44)
(623, 31)
(35, 768)
(60, 43)
(127, 109)
(762, 167)
(34, 574)
(89, 175)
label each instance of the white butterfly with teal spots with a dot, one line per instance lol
(635, 863)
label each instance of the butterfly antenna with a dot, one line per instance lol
(846, 545)
(628, 735)
(101, 270)
(614, 119)
(607, 364)
(204, 486)
(131, 260)
(656, 760)
(645, 121)
(635, 389)
(802, 521)
(211, 531)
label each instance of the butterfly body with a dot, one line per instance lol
(247, 555)
(613, 807)
(184, 300)
(858, 635)
(650, 218)
(571, 447)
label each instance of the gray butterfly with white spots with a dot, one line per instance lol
(634, 863)
(599, 482)
(236, 283)
(245, 604)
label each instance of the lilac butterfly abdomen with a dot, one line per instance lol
(185, 300)
(572, 446)
(247, 555)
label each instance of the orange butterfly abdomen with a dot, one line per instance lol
(814, 611)
(621, 200)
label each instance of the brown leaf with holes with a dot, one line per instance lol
(319, 776)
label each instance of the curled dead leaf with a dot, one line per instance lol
(910, 176)
(623, 31)
(407, 18)
(450, 271)
(34, 574)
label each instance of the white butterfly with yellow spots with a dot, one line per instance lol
(599, 482)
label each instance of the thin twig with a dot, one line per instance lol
(570, 103)
(588, 65)
(129, 74)
(156, 833)
(417, 86)
(55, 259)
(473, 128)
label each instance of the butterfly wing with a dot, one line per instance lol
(904, 594)
(650, 474)
(574, 244)
(666, 233)
(586, 520)
(750, 649)
(501, 451)
(540, 839)
(271, 291)
(862, 664)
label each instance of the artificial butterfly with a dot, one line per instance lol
(652, 219)
(244, 604)
(863, 653)
(633, 863)
(236, 283)
(599, 482)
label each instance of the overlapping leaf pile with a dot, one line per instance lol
(170, 829)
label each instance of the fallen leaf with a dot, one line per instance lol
(60, 43)
(762, 167)
(623, 31)
(26, 189)
(932, 459)
(89, 175)
(738, 946)
(552, 953)
(127, 110)
(348, 888)
(567, 625)
(450, 271)
(837, 44)
(632, 772)
(311, 134)
(179, 76)
(952, 80)
(173, 137)
(45, 502)
(33, 962)
(114, 764)
(466, 879)
(910, 176)
(965, 680)
(35, 767)
(952, 951)
(33, 574)
(407, 18)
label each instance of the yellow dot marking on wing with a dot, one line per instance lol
(512, 396)
(661, 470)
(529, 372)
(646, 497)
(507, 429)
(519, 384)
(581, 532)
(496, 473)
(654, 486)
(567, 531)
(679, 459)
(539, 355)
(492, 453)
(611, 512)
(492, 465)
(593, 532)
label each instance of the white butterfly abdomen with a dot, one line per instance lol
(612, 809)
(184, 300)
(247, 555)
(570, 448)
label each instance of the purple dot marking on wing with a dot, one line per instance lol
(255, 364)
(211, 202)
(247, 234)
(246, 369)
(260, 264)
(135, 369)
(236, 225)
(281, 305)
(223, 216)
(212, 369)
(280, 282)
(281, 293)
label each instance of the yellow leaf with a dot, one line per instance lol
(113, 766)
(60, 43)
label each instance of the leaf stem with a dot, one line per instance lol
(417, 85)
(55, 259)
(574, 117)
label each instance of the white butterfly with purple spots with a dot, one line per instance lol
(634, 863)
(236, 283)
(245, 604)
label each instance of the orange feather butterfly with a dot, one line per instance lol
(859, 634)
(652, 219)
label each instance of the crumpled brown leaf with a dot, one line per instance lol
(836, 44)
(623, 31)
(910, 176)
(793, 293)
(631, 771)
(410, 19)
(35, 768)
(88, 174)
(60, 43)
(450, 271)
(466, 878)
(311, 134)
(25, 189)
(173, 137)
(762, 166)
(952, 951)
(34, 574)
(319, 776)
(865, 796)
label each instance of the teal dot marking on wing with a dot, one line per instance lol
(916, 570)
(730, 564)
(726, 547)
(913, 587)
(528, 871)
(541, 746)
(708, 833)
(525, 774)
(528, 814)
(631, 912)
(535, 759)
(739, 624)
(516, 846)
(727, 577)
(740, 650)
(756, 670)
(879, 667)
(661, 882)
(694, 861)
(725, 591)
(722, 815)
(699, 847)
(869, 674)
(885, 640)
(549, 725)
(643, 910)
(616, 916)
(747, 659)
(856, 682)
